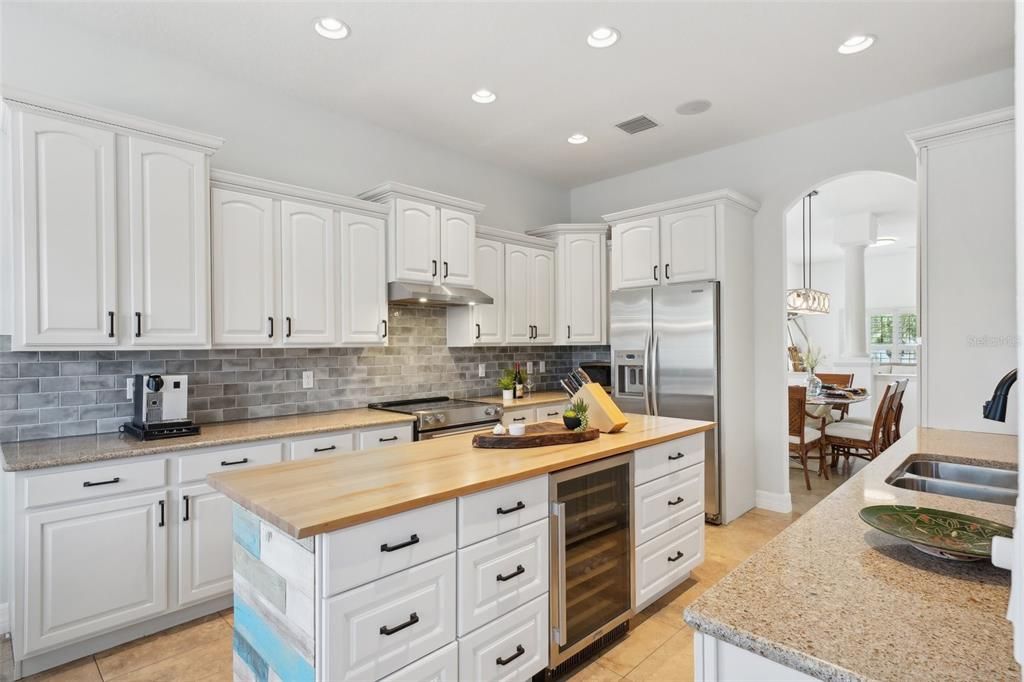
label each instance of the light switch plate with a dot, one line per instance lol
(541, 366)
(307, 379)
(529, 367)
(482, 370)
(130, 388)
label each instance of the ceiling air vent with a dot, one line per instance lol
(636, 125)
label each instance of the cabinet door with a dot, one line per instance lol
(66, 234)
(581, 294)
(489, 320)
(362, 280)
(416, 244)
(542, 295)
(688, 246)
(169, 245)
(94, 567)
(307, 273)
(204, 544)
(458, 237)
(244, 282)
(635, 261)
(518, 327)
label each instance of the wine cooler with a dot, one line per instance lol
(592, 555)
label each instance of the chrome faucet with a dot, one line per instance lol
(995, 409)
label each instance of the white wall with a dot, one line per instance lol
(268, 134)
(778, 169)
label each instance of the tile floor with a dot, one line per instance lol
(658, 646)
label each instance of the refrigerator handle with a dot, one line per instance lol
(559, 518)
(654, 375)
(648, 408)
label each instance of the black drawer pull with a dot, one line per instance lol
(327, 449)
(505, 661)
(161, 524)
(519, 571)
(184, 499)
(519, 505)
(90, 484)
(676, 501)
(678, 455)
(518, 419)
(413, 619)
(225, 463)
(413, 540)
(387, 440)
(677, 557)
(552, 414)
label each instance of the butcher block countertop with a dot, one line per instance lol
(324, 494)
(532, 400)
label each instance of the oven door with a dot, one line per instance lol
(455, 431)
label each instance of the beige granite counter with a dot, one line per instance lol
(533, 400)
(52, 452)
(836, 599)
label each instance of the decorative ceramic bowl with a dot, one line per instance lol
(939, 533)
(571, 423)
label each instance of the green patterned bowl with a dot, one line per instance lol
(940, 533)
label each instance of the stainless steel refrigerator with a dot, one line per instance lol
(665, 360)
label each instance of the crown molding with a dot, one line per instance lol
(695, 201)
(510, 237)
(552, 231)
(280, 190)
(391, 190)
(961, 127)
(24, 100)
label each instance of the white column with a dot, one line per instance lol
(854, 315)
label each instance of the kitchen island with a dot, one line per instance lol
(432, 558)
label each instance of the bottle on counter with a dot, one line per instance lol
(519, 392)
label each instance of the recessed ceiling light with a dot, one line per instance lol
(855, 44)
(883, 241)
(578, 138)
(332, 28)
(423, 300)
(693, 107)
(484, 96)
(603, 36)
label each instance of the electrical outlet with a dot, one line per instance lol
(130, 388)
(529, 367)
(541, 366)
(482, 370)
(307, 379)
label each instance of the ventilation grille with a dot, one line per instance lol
(636, 125)
(584, 655)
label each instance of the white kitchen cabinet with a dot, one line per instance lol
(416, 241)
(94, 566)
(636, 255)
(307, 273)
(529, 295)
(362, 280)
(244, 256)
(204, 544)
(482, 325)
(542, 295)
(688, 246)
(458, 256)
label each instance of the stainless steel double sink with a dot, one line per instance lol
(968, 481)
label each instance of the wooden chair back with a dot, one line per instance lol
(891, 428)
(837, 380)
(882, 413)
(797, 410)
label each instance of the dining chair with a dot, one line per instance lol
(853, 439)
(839, 381)
(892, 427)
(802, 438)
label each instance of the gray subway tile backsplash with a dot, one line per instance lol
(65, 393)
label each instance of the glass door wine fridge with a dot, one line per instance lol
(592, 552)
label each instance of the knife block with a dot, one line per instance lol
(604, 414)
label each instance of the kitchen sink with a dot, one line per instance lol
(968, 481)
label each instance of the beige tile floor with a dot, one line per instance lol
(658, 646)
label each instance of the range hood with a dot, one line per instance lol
(444, 294)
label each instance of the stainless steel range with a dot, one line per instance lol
(440, 416)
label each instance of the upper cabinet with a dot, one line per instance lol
(307, 273)
(362, 275)
(688, 245)
(88, 185)
(431, 236)
(636, 255)
(482, 325)
(529, 294)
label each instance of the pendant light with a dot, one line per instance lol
(807, 300)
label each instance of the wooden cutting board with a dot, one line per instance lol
(536, 436)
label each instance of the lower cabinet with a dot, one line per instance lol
(440, 666)
(549, 412)
(514, 647)
(204, 544)
(523, 415)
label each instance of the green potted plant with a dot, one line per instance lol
(507, 384)
(575, 418)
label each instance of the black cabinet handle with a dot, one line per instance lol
(327, 449)
(184, 500)
(288, 327)
(226, 463)
(110, 324)
(677, 557)
(666, 271)
(478, 330)
(552, 414)
(655, 273)
(270, 334)
(568, 329)
(446, 269)
(90, 484)
(676, 501)
(385, 334)
(518, 419)
(413, 619)
(519, 505)
(138, 325)
(413, 540)
(678, 455)
(387, 440)
(161, 524)
(519, 571)
(505, 661)
(434, 273)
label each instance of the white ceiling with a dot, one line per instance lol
(766, 66)
(892, 198)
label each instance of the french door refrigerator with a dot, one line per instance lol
(665, 361)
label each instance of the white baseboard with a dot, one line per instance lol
(5, 619)
(776, 502)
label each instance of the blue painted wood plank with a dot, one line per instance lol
(282, 659)
(247, 530)
(251, 657)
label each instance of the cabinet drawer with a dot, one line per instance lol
(198, 466)
(322, 445)
(664, 458)
(497, 576)
(100, 481)
(665, 561)
(490, 512)
(514, 647)
(521, 416)
(378, 438)
(376, 629)
(440, 666)
(666, 502)
(358, 555)
(549, 412)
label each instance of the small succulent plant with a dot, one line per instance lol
(579, 409)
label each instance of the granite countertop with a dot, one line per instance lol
(327, 493)
(54, 452)
(541, 398)
(838, 600)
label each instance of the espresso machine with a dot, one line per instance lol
(161, 407)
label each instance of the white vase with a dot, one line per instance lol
(507, 393)
(813, 385)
